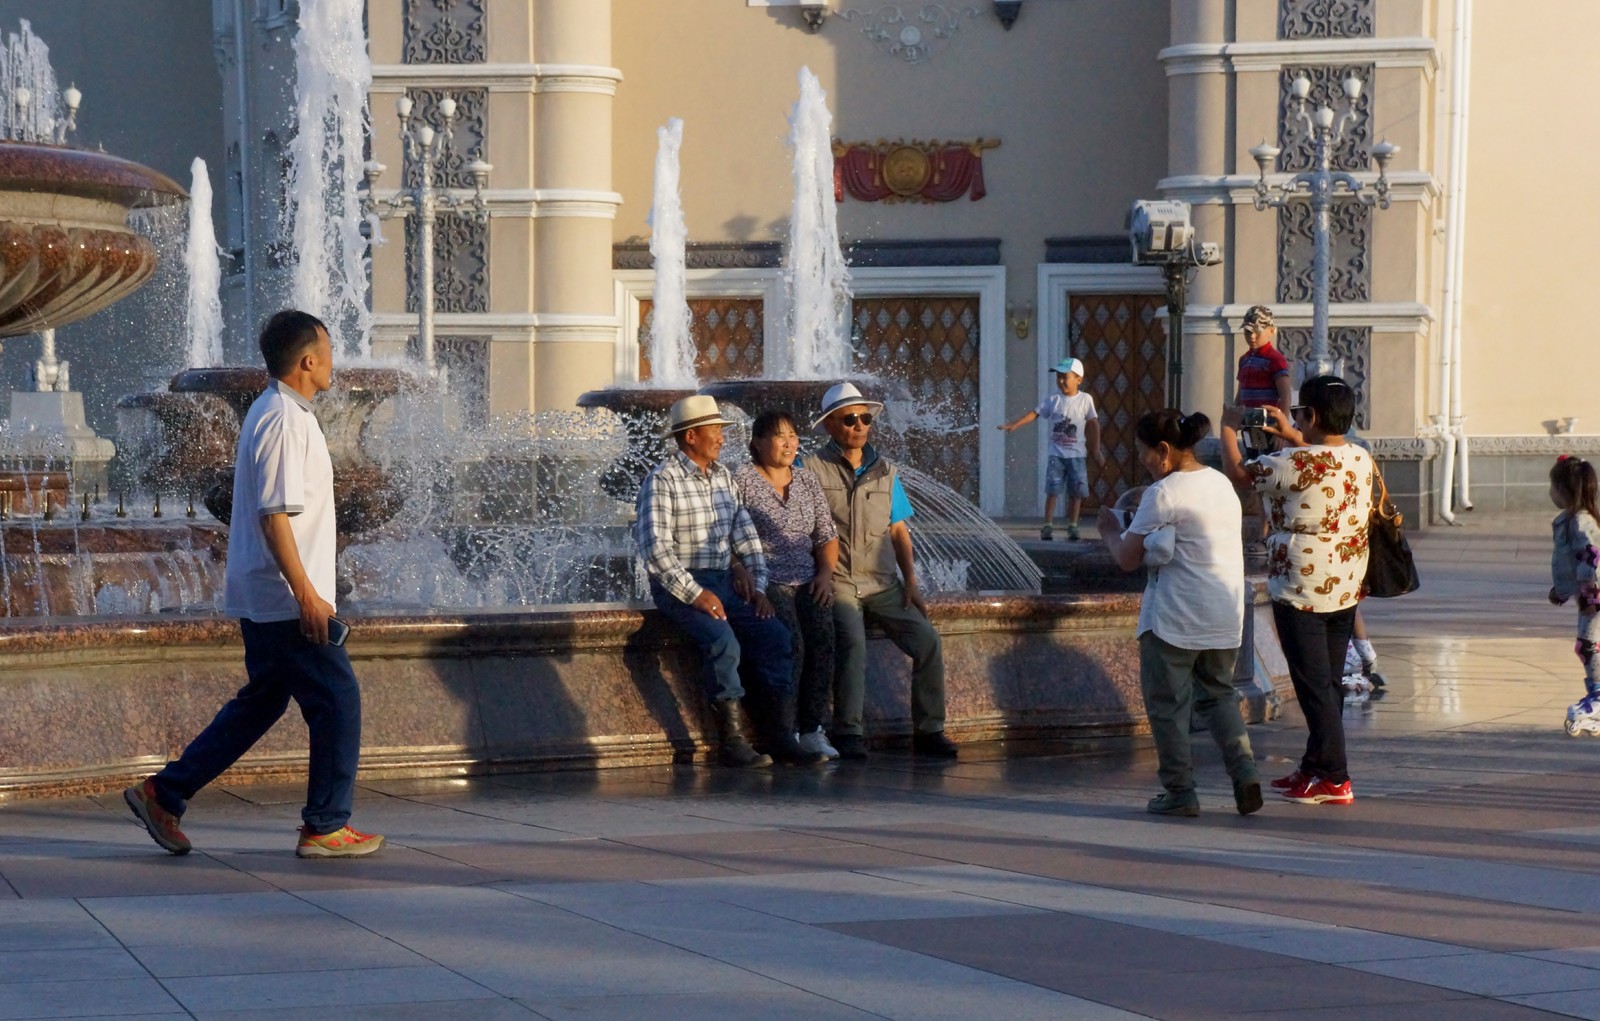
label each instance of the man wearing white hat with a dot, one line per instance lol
(875, 578)
(691, 520)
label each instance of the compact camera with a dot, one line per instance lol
(1255, 418)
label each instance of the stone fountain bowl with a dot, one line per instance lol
(643, 411)
(197, 423)
(66, 250)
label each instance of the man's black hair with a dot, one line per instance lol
(1334, 402)
(286, 337)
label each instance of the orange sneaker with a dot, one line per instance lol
(161, 824)
(341, 843)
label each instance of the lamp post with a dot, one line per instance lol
(1326, 128)
(422, 147)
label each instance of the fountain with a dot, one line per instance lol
(468, 540)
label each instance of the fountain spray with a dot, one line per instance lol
(333, 75)
(818, 280)
(671, 350)
(205, 273)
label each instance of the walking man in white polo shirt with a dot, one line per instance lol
(280, 584)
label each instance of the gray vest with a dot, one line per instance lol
(860, 506)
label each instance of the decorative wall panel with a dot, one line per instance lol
(1354, 152)
(470, 137)
(727, 334)
(1326, 19)
(1349, 251)
(460, 264)
(1351, 343)
(1124, 352)
(465, 360)
(445, 31)
(929, 344)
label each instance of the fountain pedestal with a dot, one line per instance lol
(49, 428)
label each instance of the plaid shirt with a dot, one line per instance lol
(689, 520)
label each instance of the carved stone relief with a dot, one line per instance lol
(460, 264)
(1326, 19)
(1353, 344)
(445, 32)
(1349, 251)
(1354, 151)
(913, 36)
(470, 133)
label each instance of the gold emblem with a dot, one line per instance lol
(906, 170)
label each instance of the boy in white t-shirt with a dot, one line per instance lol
(1074, 434)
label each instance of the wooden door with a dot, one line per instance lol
(1124, 353)
(727, 335)
(930, 344)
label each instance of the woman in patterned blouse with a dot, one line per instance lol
(1317, 491)
(797, 536)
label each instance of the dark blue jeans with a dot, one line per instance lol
(281, 665)
(764, 643)
(1314, 644)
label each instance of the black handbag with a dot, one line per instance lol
(1391, 570)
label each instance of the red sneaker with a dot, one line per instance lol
(161, 824)
(1312, 791)
(1284, 783)
(341, 843)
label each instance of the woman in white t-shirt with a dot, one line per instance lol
(1317, 492)
(1191, 619)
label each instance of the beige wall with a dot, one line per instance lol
(1073, 92)
(1533, 153)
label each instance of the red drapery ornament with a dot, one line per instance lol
(909, 171)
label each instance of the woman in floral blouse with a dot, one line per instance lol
(801, 547)
(1317, 492)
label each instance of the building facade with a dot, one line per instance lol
(988, 153)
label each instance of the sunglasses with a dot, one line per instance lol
(864, 417)
(1299, 409)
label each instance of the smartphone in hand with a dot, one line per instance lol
(338, 631)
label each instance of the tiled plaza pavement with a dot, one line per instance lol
(1460, 885)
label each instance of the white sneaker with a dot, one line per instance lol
(816, 743)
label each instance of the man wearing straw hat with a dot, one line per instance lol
(875, 579)
(691, 520)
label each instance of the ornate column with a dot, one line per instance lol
(1200, 128)
(575, 322)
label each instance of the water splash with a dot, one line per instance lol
(814, 266)
(671, 350)
(25, 64)
(205, 273)
(333, 75)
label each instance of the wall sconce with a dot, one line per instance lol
(1020, 317)
(1007, 11)
(814, 14)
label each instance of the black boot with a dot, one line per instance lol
(783, 743)
(735, 751)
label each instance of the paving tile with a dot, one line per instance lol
(498, 1009)
(842, 897)
(81, 933)
(85, 998)
(1581, 957)
(172, 921)
(152, 874)
(67, 965)
(1582, 1003)
(1489, 974)
(320, 990)
(1337, 945)
(1158, 974)
(255, 951)
(1470, 1009)
(782, 1005)
(576, 860)
(391, 866)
